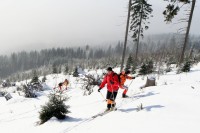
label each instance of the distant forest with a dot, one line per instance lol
(165, 47)
(23, 61)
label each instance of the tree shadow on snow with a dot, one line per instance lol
(145, 95)
(71, 119)
(128, 110)
(192, 71)
(148, 108)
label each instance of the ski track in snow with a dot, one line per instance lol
(164, 105)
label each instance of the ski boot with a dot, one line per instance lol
(124, 96)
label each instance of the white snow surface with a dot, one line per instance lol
(173, 106)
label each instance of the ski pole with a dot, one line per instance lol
(103, 96)
(132, 81)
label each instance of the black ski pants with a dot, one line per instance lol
(111, 96)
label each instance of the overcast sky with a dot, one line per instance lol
(38, 24)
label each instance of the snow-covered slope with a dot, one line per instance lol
(170, 107)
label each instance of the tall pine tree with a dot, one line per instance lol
(35, 82)
(75, 74)
(66, 71)
(140, 13)
(35, 79)
(55, 70)
(129, 63)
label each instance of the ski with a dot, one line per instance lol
(89, 119)
(103, 113)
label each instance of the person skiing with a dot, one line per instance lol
(112, 81)
(123, 77)
(63, 84)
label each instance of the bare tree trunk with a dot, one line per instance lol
(191, 51)
(126, 35)
(187, 32)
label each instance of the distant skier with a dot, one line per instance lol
(112, 81)
(123, 76)
(63, 85)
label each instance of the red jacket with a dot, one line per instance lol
(112, 82)
(123, 78)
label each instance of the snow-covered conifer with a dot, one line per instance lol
(54, 108)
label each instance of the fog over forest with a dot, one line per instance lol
(42, 34)
(42, 24)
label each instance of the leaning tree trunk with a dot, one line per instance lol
(126, 35)
(187, 32)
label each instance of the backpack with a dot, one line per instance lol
(118, 75)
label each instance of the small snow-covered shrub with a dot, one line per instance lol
(55, 107)
(29, 91)
(89, 82)
(146, 68)
(186, 67)
(75, 73)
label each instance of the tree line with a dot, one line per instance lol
(23, 61)
(163, 47)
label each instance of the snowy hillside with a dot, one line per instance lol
(170, 107)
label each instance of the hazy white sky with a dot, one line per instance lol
(36, 24)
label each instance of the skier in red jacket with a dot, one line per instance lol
(123, 77)
(112, 81)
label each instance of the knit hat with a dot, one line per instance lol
(127, 72)
(109, 69)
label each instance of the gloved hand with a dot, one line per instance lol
(99, 89)
(111, 82)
